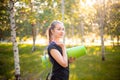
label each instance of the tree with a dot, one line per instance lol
(62, 9)
(114, 20)
(4, 20)
(101, 21)
(13, 39)
(33, 22)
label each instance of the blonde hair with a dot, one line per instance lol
(51, 27)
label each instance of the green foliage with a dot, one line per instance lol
(114, 19)
(4, 20)
(4, 16)
(88, 67)
(42, 12)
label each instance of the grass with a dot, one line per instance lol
(88, 67)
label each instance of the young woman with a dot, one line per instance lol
(57, 51)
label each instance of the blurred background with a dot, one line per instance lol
(93, 23)
(83, 20)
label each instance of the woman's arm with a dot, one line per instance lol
(61, 59)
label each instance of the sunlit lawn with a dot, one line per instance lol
(88, 67)
(91, 67)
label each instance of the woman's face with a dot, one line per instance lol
(59, 31)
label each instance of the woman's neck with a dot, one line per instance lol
(57, 40)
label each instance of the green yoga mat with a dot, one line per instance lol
(45, 61)
(76, 52)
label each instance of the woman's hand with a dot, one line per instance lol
(60, 58)
(71, 59)
(62, 45)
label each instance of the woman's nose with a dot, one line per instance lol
(62, 31)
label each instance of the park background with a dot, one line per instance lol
(92, 23)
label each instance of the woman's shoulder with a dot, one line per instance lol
(51, 45)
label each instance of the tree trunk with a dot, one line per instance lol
(112, 39)
(13, 39)
(82, 33)
(72, 34)
(102, 41)
(33, 29)
(118, 40)
(62, 11)
(34, 37)
(102, 18)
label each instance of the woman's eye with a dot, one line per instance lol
(61, 29)
(58, 29)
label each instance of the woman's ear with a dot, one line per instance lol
(52, 31)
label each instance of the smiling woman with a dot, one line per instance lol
(57, 51)
(56, 30)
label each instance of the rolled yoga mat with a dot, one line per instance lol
(45, 60)
(75, 52)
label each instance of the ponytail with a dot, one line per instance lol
(49, 34)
